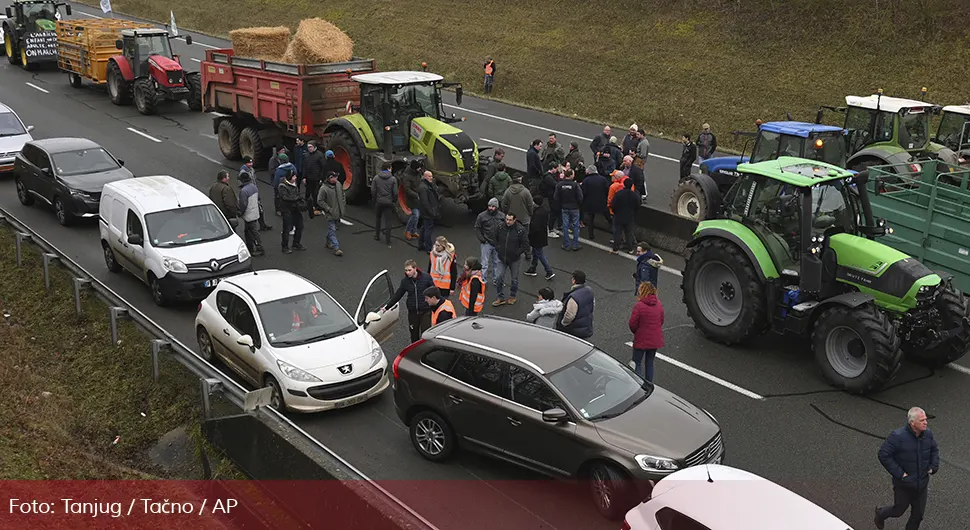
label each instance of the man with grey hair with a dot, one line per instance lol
(910, 455)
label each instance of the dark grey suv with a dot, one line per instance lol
(547, 401)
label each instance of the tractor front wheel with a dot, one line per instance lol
(194, 82)
(690, 201)
(952, 310)
(119, 89)
(723, 293)
(9, 47)
(146, 98)
(347, 152)
(856, 348)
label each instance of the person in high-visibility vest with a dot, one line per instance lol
(441, 308)
(489, 75)
(442, 266)
(471, 285)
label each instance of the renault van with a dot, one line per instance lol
(169, 235)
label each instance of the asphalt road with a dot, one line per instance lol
(779, 417)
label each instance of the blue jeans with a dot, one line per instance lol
(539, 256)
(643, 362)
(488, 258)
(426, 238)
(412, 226)
(500, 269)
(332, 234)
(570, 223)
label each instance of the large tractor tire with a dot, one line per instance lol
(146, 98)
(194, 99)
(229, 134)
(689, 200)
(857, 348)
(723, 293)
(11, 50)
(347, 152)
(251, 145)
(952, 308)
(119, 90)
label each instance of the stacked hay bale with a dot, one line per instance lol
(318, 41)
(265, 43)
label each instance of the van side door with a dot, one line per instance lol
(116, 234)
(135, 240)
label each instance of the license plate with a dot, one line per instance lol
(211, 283)
(352, 401)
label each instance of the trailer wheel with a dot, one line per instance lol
(346, 151)
(146, 98)
(229, 140)
(194, 82)
(952, 307)
(690, 201)
(856, 348)
(251, 145)
(118, 88)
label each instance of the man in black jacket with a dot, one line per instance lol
(313, 174)
(910, 454)
(687, 156)
(596, 189)
(569, 195)
(384, 191)
(539, 239)
(624, 205)
(511, 242)
(533, 162)
(413, 285)
(578, 306)
(290, 205)
(411, 182)
(486, 228)
(430, 211)
(547, 190)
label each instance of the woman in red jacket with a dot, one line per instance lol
(646, 323)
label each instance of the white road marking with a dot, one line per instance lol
(714, 379)
(196, 60)
(346, 222)
(88, 14)
(960, 368)
(139, 133)
(206, 45)
(35, 87)
(507, 146)
(625, 255)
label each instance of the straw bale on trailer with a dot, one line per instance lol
(318, 41)
(266, 43)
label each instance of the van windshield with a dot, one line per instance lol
(186, 226)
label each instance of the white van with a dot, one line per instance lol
(171, 236)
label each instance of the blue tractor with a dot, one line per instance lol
(698, 196)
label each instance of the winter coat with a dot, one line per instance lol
(687, 158)
(606, 165)
(498, 184)
(568, 194)
(332, 201)
(274, 162)
(511, 242)
(490, 170)
(545, 312)
(487, 224)
(430, 202)
(616, 154)
(453, 268)
(646, 324)
(313, 165)
(299, 154)
(533, 164)
(330, 165)
(596, 189)
(538, 236)
(225, 199)
(706, 144)
(290, 196)
(648, 269)
(615, 187)
(575, 160)
(547, 188)
(552, 153)
(643, 148)
(916, 456)
(577, 312)
(630, 142)
(384, 189)
(281, 173)
(517, 200)
(249, 202)
(414, 290)
(598, 143)
(624, 206)
(636, 174)
(411, 182)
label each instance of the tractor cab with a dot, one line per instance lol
(138, 45)
(954, 131)
(823, 143)
(35, 15)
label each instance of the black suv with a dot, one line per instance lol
(550, 402)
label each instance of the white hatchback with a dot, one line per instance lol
(279, 330)
(716, 497)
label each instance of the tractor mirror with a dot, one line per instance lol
(9, 13)
(119, 44)
(188, 40)
(458, 93)
(67, 9)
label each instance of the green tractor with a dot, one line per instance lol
(954, 131)
(30, 32)
(400, 118)
(794, 251)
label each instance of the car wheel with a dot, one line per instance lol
(205, 345)
(25, 197)
(157, 295)
(277, 401)
(63, 217)
(432, 436)
(611, 491)
(109, 258)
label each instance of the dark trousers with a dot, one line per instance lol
(620, 230)
(418, 323)
(384, 213)
(590, 221)
(312, 188)
(292, 218)
(555, 216)
(251, 232)
(904, 498)
(643, 362)
(426, 238)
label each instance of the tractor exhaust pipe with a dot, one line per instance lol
(862, 180)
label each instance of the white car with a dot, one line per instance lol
(13, 135)
(279, 330)
(717, 497)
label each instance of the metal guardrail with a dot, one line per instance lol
(212, 379)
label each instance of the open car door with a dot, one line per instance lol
(381, 326)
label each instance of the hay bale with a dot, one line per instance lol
(318, 41)
(268, 44)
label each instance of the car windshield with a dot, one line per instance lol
(831, 151)
(186, 226)
(303, 319)
(599, 386)
(10, 125)
(83, 162)
(830, 209)
(914, 130)
(414, 99)
(954, 131)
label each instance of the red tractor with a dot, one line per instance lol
(148, 72)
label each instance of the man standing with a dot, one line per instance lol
(283, 172)
(499, 182)
(411, 182)
(314, 172)
(624, 206)
(910, 455)
(333, 204)
(569, 195)
(248, 169)
(489, 75)
(486, 228)
(539, 239)
(577, 308)
(533, 162)
(299, 154)
(384, 191)
(547, 190)
(575, 160)
(249, 207)
(687, 156)
(413, 285)
(430, 211)
(631, 140)
(648, 266)
(706, 144)
(643, 150)
(553, 152)
(598, 145)
(224, 197)
(595, 191)
(492, 168)
(636, 175)
(441, 308)
(290, 205)
(512, 241)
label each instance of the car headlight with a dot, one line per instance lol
(296, 374)
(656, 463)
(376, 353)
(79, 193)
(174, 265)
(242, 253)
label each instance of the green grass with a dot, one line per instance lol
(67, 393)
(667, 65)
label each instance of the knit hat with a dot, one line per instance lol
(634, 127)
(493, 202)
(328, 154)
(244, 178)
(706, 126)
(247, 159)
(283, 158)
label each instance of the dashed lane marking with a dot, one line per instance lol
(346, 222)
(35, 87)
(89, 15)
(139, 133)
(712, 378)
(196, 60)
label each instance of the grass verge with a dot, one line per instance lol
(668, 65)
(69, 394)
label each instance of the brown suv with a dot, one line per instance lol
(550, 402)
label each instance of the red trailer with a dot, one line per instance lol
(260, 104)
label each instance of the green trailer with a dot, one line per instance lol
(929, 212)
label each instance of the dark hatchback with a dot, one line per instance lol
(550, 402)
(67, 174)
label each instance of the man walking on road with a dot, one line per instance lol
(910, 455)
(598, 145)
(687, 156)
(569, 195)
(539, 239)
(313, 173)
(384, 191)
(224, 197)
(533, 162)
(577, 308)
(518, 200)
(512, 241)
(249, 208)
(248, 168)
(333, 204)
(486, 228)
(413, 285)
(290, 205)
(430, 211)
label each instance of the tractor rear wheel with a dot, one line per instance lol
(856, 348)
(146, 99)
(952, 308)
(229, 140)
(347, 152)
(690, 201)
(723, 293)
(251, 145)
(11, 50)
(194, 82)
(118, 88)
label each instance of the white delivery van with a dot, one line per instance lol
(169, 235)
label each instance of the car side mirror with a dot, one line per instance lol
(371, 318)
(135, 240)
(46, 171)
(459, 92)
(67, 9)
(30, 128)
(119, 44)
(188, 40)
(556, 415)
(234, 222)
(245, 340)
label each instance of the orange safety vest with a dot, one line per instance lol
(298, 322)
(466, 292)
(441, 280)
(488, 69)
(445, 306)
